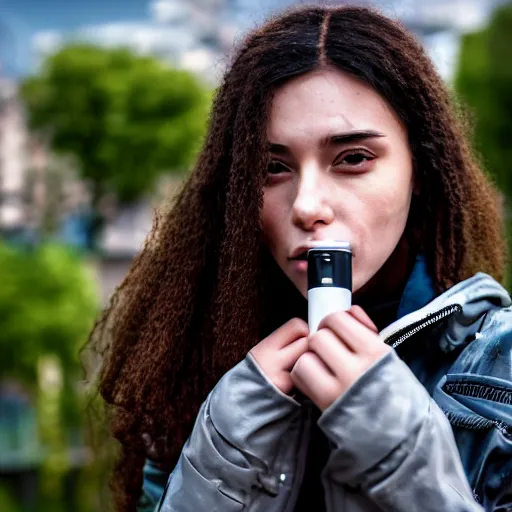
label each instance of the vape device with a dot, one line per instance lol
(329, 280)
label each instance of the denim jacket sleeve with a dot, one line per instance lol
(155, 479)
(229, 456)
(476, 396)
(394, 444)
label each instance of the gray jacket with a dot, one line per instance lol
(393, 447)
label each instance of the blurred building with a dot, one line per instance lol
(121, 239)
(13, 160)
(39, 191)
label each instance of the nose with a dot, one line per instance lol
(311, 207)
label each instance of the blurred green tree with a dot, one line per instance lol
(7, 502)
(48, 303)
(484, 83)
(128, 118)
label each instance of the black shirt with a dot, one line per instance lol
(311, 495)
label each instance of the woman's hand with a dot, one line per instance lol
(277, 353)
(344, 347)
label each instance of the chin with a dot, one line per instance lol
(357, 284)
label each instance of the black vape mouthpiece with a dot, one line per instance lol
(330, 265)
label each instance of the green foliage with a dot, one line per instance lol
(7, 502)
(47, 307)
(48, 303)
(127, 118)
(484, 83)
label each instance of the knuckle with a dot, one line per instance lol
(297, 367)
(315, 341)
(297, 325)
(331, 316)
(332, 319)
(304, 361)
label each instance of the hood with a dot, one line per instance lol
(471, 299)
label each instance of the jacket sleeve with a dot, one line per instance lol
(394, 444)
(229, 456)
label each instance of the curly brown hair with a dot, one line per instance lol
(204, 290)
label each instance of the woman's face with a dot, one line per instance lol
(341, 169)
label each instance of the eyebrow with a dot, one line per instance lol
(338, 138)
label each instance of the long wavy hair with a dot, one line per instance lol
(203, 290)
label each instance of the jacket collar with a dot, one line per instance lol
(419, 290)
(474, 298)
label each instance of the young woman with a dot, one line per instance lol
(330, 124)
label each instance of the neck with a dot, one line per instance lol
(380, 297)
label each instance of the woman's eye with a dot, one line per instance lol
(354, 159)
(275, 167)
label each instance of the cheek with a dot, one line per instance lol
(390, 211)
(387, 200)
(381, 222)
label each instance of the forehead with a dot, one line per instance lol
(328, 100)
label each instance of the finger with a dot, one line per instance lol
(288, 333)
(312, 378)
(289, 354)
(334, 353)
(360, 314)
(350, 331)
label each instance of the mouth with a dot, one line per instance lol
(303, 256)
(301, 252)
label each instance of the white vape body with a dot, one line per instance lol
(329, 280)
(324, 301)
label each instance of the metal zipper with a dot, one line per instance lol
(405, 333)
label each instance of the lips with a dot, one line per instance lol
(301, 257)
(301, 252)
